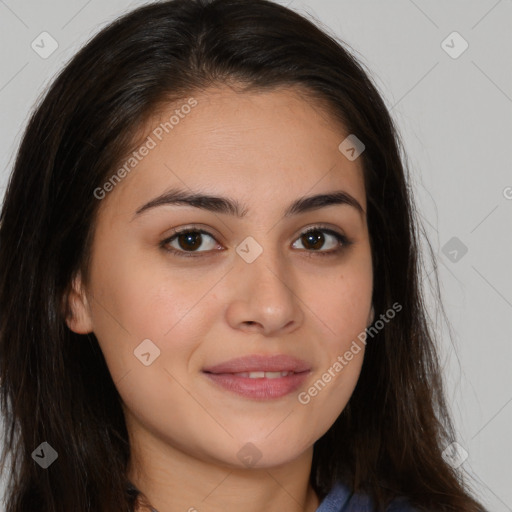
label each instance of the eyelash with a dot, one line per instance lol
(345, 242)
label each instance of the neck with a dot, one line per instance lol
(174, 481)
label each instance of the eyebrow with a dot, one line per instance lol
(228, 206)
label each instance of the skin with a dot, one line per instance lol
(263, 150)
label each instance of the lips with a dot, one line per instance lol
(260, 363)
(260, 377)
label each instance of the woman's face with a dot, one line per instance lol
(165, 308)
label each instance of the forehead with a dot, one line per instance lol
(274, 145)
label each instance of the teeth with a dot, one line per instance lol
(261, 375)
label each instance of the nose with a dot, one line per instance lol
(263, 297)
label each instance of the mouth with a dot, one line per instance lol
(260, 377)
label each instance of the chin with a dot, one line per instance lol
(263, 452)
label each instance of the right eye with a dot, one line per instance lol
(187, 242)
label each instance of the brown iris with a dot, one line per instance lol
(316, 238)
(190, 241)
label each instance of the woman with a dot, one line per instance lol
(209, 289)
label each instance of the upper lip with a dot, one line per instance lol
(255, 363)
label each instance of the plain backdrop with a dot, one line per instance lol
(444, 70)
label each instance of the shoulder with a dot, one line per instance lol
(362, 502)
(342, 499)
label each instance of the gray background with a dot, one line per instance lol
(454, 115)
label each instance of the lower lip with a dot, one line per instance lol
(259, 388)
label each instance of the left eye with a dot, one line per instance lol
(316, 239)
(190, 240)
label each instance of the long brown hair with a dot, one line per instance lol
(55, 384)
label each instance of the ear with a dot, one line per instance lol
(371, 317)
(78, 313)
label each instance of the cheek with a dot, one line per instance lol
(342, 301)
(342, 306)
(135, 300)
